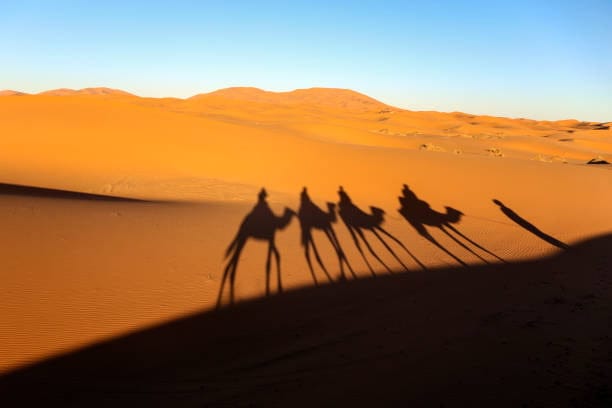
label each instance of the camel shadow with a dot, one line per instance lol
(356, 221)
(529, 226)
(314, 218)
(261, 223)
(418, 213)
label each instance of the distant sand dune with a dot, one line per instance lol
(8, 92)
(86, 91)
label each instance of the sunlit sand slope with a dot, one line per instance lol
(78, 268)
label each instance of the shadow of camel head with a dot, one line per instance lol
(453, 215)
(285, 219)
(378, 214)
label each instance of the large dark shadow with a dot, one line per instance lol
(419, 214)
(529, 226)
(314, 218)
(29, 191)
(531, 333)
(357, 220)
(261, 223)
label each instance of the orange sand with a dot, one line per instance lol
(78, 270)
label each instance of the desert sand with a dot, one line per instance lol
(116, 212)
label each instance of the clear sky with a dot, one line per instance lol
(519, 58)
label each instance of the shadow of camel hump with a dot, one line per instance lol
(529, 226)
(356, 221)
(314, 218)
(418, 213)
(261, 223)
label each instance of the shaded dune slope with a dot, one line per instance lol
(535, 333)
(7, 189)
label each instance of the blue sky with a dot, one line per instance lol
(537, 59)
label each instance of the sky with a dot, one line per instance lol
(534, 59)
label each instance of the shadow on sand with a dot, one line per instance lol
(357, 221)
(533, 333)
(529, 226)
(419, 214)
(261, 223)
(314, 218)
(28, 191)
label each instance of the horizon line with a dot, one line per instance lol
(7, 92)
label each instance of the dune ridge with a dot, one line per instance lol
(99, 91)
(329, 97)
(342, 97)
(345, 116)
(9, 92)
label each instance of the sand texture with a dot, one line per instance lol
(462, 252)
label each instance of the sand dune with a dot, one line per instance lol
(80, 269)
(322, 97)
(100, 91)
(8, 92)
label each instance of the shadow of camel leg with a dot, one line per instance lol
(381, 229)
(232, 279)
(365, 241)
(433, 241)
(225, 274)
(230, 272)
(389, 249)
(278, 268)
(307, 255)
(338, 254)
(358, 245)
(331, 235)
(268, 269)
(318, 258)
(462, 244)
(474, 243)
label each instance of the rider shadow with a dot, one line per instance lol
(356, 221)
(261, 224)
(419, 213)
(529, 226)
(314, 218)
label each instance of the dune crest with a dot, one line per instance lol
(326, 97)
(101, 91)
(9, 92)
